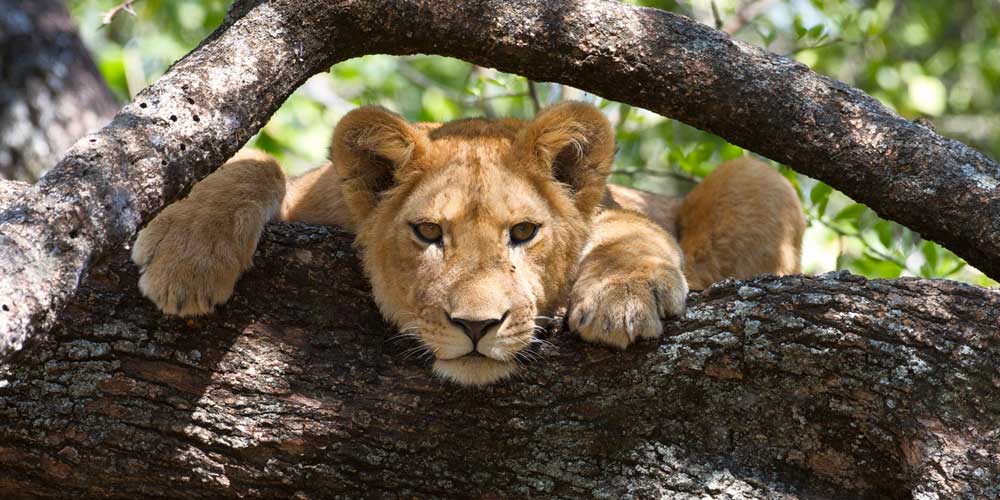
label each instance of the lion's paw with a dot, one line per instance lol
(190, 259)
(616, 310)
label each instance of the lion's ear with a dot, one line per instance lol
(371, 149)
(577, 144)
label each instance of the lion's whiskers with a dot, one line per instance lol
(541, 342)
(408, 331)
(527, 356)
(421, 351)
(402, 337)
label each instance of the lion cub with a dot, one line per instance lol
(473, 230)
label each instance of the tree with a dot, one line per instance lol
(260, 405)
(52, 93)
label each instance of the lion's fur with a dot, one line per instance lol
(611, 255)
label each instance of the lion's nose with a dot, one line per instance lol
(476, 329)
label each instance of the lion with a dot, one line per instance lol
(475, 232)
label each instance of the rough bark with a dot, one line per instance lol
(52, 93)
(795, 387)
(199, 113)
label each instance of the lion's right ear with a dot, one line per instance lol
(575, 144)
(371, 149)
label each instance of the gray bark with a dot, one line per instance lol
(198, 114)
(51, 92)
(794, 387)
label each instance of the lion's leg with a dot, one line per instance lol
(316, 198)
(742, 220)
(630, 279)
(191, 254)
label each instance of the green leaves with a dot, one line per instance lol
(906, 54)
(820, 197)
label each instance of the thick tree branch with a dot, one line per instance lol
(175, 132)
(211, 102)
(825, 387)
(764, 102)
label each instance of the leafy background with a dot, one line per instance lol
(935, 60)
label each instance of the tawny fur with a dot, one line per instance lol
(609, 254)
(742, 220)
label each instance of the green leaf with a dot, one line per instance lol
(930, 251)
(820, 196)
(873, 266)
(800, 29)
(851, 214)
(816, 31)
(885, 231)
(437, 106)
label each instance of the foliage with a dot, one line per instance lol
(938, 60)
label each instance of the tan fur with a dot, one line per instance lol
(610, 254)
(630, 280)
(192, 253)
(742, 220)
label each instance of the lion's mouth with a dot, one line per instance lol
(474, 370)
(487, 364)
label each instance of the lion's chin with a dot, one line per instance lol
(477, 370)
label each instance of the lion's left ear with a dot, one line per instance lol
(576, 143)
(372, 149)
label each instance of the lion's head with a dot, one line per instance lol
(470, 231)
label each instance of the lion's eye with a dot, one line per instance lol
(523, 232)
(428, 232)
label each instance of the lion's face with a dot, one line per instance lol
(468, 257)
(473, 239)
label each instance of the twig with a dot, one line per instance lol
(822, 45)
(468, 76)
(481, 101)
(415, 77)
(497, 96)
(534, 96)
(657, 173)
(623, 112)
(858, 236)
(110, 15)
(716, 16)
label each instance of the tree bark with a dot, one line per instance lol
(794, 387)
(52, 93)
(198, 114)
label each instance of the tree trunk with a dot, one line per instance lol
(198, 114)
(51, 92)
(794, 387)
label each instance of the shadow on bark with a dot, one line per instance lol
(788, 388)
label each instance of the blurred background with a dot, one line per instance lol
(935, 60)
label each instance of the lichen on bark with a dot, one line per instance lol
(797, 387)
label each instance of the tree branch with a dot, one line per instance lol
(198, 114)
(112, 12)
(176, 131)
(795, 387)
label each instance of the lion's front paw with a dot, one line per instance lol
(190, 259)
(616, 309)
